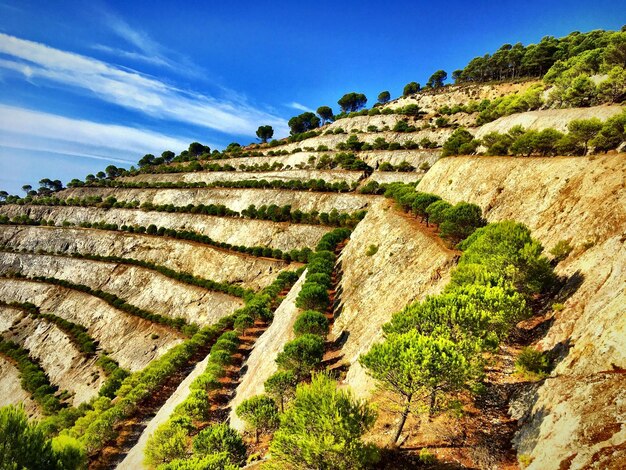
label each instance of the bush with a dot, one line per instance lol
(311, 322)
(243, 322)
(460, 221)
(323, 429)
(219, 438)
(281, 386)
(371, 250)
(561, 250)
(532, 364)
(168, 442)
(302, 355)
(313, 296)
(461, 142)
(210, 462)
(260, 414)
(436, 211)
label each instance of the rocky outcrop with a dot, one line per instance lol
(408, 264)
(199, 260)
(236, 231)
(11, 391)
(62, 361)
(140, 287)
(261, 362)
(547, 118)
(234, 199)
(215, 176)
(132, 341)
(580, 200)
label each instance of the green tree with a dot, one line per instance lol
(384, 97)
(243, 322)
(461, 142)
(196, 149)
(302, 355)
(613, 89)
(351, 102)
(312, 322)
(265, 133)
(505, 250)
(23, 445)
(615, 53)
(410, 89)
(168, 156)
(210, 462)
(27, 188)
(322, 430)
(436, 79)
(260, 414)
(417, 368)
(326, 113)
(313, 296)
(281, 386)
(581, 92)
(583, 130)
(168, 442)
(460, 221)
(219, 438)
(303, 123)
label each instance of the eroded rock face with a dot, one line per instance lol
(11, 391)
(407, 265)
(581, 200)
(199, 260)
(261, 362)
(140, 287)
(234, 199)
(215, 176)
(62, 361)
(236, 231)
(132, 341)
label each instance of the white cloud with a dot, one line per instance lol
(133, 90)
(37, 131)
(300, 107)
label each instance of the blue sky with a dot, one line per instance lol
(95, 83)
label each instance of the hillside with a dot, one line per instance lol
(156, 301)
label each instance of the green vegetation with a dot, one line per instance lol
(114, 301)
(434, 349)
(260, 414)
(436, 79)
(322, 429)
(32, 377)
(384, 97)
(532, 364)
(461, 142)
(302, 355)
(303, 123)
(265, 133)
(115, 376)
(351, 102)
(77, 333)
(219, 438)
(281, 386)
(311, 322)
(411, 89)
(24, 445)
(326, 114)
(561, 250)
(455, 222)
(170, 440)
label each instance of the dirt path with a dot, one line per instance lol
(134, 458)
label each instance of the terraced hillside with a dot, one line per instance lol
(154, 267)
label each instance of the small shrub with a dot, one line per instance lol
(371, 250)
(561, 250)
(532, 364)
(311, 322)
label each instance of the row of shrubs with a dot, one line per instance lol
(272, 212)
(343, 160)
(582, 135)
(438, 344)
(455, 223)
(304, 354)
(99, 425)
(169, 442)
(32, 377)
(77, 333)
(293, 255)
(114, 301)
(318, 185)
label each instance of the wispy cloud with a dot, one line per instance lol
(133, 90)
(26, 129)
(300, 107)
